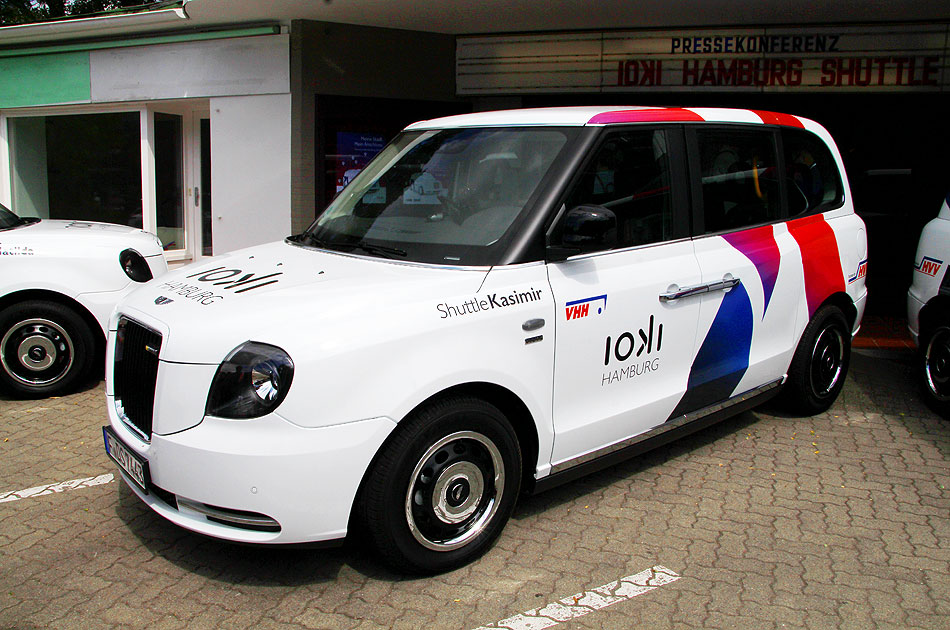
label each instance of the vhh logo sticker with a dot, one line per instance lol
(581, 308)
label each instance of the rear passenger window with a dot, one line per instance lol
(630, 175)
(811, 173)
(739, 179)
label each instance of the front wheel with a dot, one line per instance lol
(934, 369)
(820, 364)
(45, 348)
(441, 491)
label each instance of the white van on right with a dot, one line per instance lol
(928, 310)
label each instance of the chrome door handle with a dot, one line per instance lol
(675, 292)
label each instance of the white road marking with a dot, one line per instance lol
(73, 484)
(587, 602)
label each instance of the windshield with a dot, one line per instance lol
(8, 220)
(446, 196)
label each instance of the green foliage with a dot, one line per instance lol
(29, 11)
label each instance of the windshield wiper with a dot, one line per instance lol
(309, 239)
(381, 250)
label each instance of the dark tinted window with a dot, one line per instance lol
(739, 183)
(811, 173)
(630, 175)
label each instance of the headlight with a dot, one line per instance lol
(251, 382)
(134, 265)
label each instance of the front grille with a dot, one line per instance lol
(134, 373)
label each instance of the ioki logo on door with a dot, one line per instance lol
(581, 308)
(628, 345)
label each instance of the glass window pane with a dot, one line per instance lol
(169, 194)
(740, 187)
(811, 173)
(85, 167)
(206, 209)
(443, 196)
(630, 175)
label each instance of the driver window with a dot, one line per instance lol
(630, 175)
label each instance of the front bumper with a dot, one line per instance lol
(213, 476)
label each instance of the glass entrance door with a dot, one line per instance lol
(182, 150)
(169, 181)
(204, 196)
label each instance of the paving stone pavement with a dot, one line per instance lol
(837, 521)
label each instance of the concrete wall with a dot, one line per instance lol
(250, 170)
(244, 65)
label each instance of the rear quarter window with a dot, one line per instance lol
(814, 184)
(740, 186)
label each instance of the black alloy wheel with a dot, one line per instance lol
(820, 364)
(934, 369)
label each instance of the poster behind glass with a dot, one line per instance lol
(353, 153)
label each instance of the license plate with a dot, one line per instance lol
(132, 464)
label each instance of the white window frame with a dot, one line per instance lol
(191, 160)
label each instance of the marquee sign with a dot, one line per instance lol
(820, 59)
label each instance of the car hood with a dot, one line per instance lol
(279, 292)
(51, 236)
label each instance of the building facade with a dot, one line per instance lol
(237, 132)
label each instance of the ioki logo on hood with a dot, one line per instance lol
(228, 278)
(235, 280)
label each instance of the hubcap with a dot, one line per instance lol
(455, 490)
(827, 359)
(36, 352)
(937, 364)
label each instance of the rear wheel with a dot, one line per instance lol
(441, 491)
(45, 348)
(934, 369)
(820, 364)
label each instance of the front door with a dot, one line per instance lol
(623, 353)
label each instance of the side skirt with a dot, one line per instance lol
(658, 436)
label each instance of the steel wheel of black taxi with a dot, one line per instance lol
(44, 348)
(935, 369)
(820, 364)
(441, 491)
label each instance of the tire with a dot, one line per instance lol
(820, 364)
(441, 490)
(934, 369)
(45, 348)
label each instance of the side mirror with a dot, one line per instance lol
(583, 229)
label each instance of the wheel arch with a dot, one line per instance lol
(844, 302)
(53, 296)
(517, 413)
(933, 312)
(510, 405)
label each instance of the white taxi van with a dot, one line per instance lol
(59, 281)
(928, 310)
(498, 303)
